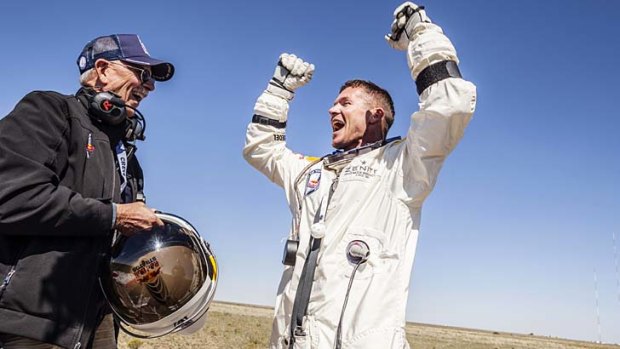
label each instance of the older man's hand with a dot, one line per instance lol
(134, 217)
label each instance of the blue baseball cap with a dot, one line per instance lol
(124, 47)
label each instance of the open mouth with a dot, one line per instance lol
(337, 125)
(138, 95)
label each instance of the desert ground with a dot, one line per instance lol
(241, 326)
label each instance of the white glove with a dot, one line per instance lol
(406, 17)
(290, 74)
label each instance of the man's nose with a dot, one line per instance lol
(333, 110)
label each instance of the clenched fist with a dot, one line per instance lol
(291, 73)
(406, 17)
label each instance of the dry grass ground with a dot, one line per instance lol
(247, 327)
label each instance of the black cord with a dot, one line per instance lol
(344, 306)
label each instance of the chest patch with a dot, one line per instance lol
(90, 148)
(359, 171)
(313, 181)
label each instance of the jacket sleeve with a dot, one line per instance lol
(265, 144)
(445, 109)
(32, 201)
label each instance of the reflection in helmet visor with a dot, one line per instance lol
(155, 273)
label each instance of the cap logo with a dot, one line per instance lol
(82, 62)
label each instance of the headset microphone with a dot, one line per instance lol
(136, 126)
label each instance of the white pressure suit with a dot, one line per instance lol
(377, 198)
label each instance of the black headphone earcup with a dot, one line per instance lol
(108, 108)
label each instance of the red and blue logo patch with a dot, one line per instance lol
(314, 179)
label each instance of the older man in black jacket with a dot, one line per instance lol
(68, 180)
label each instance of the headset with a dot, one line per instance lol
(109, 109)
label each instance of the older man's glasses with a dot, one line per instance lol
(144, 74)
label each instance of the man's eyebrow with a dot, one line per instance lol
(341, 99)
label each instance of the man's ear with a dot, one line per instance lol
(376, 114)
(101, 67)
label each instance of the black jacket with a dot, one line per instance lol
(58, 179)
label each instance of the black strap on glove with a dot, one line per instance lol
(407, 12)
(279, 80)
(435, 73)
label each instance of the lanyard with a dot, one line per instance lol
(121, 157)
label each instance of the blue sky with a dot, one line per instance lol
(524, 209)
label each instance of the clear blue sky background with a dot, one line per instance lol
(525, 207)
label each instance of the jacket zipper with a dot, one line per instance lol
(78, 344)
(6, 281)
(9, 275)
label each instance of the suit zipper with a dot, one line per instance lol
(332, 188)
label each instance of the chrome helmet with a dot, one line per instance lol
(160, 281)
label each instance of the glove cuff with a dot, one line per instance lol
(275, 87)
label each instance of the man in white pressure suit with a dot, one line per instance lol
(356, 212)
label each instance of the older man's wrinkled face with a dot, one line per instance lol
(126, 81)
(348, 118)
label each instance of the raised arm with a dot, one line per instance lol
(446, 100)
(265, 145)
